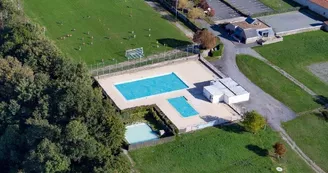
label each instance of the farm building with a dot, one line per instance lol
(225, 90)
(325, 26)
(250, 30)
(318, 6)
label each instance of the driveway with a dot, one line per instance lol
(249, 7)
(291, 21)
(222, 11)
(274, 111)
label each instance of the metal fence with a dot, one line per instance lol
(102, 69)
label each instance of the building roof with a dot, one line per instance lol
(322, 3)
(225, 86)
(255, 25)
(250, 33)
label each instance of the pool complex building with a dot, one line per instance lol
(177, 89)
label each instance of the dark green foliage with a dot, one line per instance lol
(51, 118)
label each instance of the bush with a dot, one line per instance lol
(195, 13)
(182, 4)
(325, 114)
(217, 52)
(253, 121)
(211, 13)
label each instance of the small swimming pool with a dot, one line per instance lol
(150, 86)
(182, 106)
(139, 133)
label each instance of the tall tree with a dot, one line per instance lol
(205, 38)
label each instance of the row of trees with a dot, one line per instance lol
(51, 118)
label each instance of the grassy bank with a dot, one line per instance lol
(275, 84)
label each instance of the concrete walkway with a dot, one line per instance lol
(251, 52)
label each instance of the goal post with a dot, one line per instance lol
(134, 53)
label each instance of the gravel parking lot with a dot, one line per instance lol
(249, 7)
(222, 11)
(320, 70)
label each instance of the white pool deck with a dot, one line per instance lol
(194, 74)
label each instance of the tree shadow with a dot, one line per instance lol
(322, 100)
(169, 18)
(234, 128)
(173, 43)
(258, 150)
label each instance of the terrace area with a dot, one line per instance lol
(193, 74)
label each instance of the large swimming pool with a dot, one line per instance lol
(150, 86)
(182, 106)
(139, 133)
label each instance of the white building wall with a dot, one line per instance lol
(237, 98)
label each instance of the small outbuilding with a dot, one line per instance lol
(225, 90)
(250, 30)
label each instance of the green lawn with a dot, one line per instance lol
(112, 24)
(217, 150)
(275, 84)
(297, 52)
(310, 134)
(280, 5)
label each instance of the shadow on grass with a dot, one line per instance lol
(322, 100)
(292, 3)
(173, 43)
(258, 150)
(234, 128)
(169, 18)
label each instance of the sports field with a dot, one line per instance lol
(101, 30)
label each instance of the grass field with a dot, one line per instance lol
(280, 5)
(217, 150)
(297, 52)
(275, 84)
(112, 24)
(310, 134)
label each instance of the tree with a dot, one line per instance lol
(253, 121)
(279, 149)
(203, 4)
(52, 118)
(195, 13)
(182, 4)
(205, 38)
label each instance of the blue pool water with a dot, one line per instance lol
(150, 86)
(182, 106)
(139, 133)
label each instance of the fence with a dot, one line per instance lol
(102, 69)
(150, 143)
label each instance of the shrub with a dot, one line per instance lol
(279, 149)
(211, 13)
(205, 38)
(182, 4)
(253, 121)
(195, 13)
